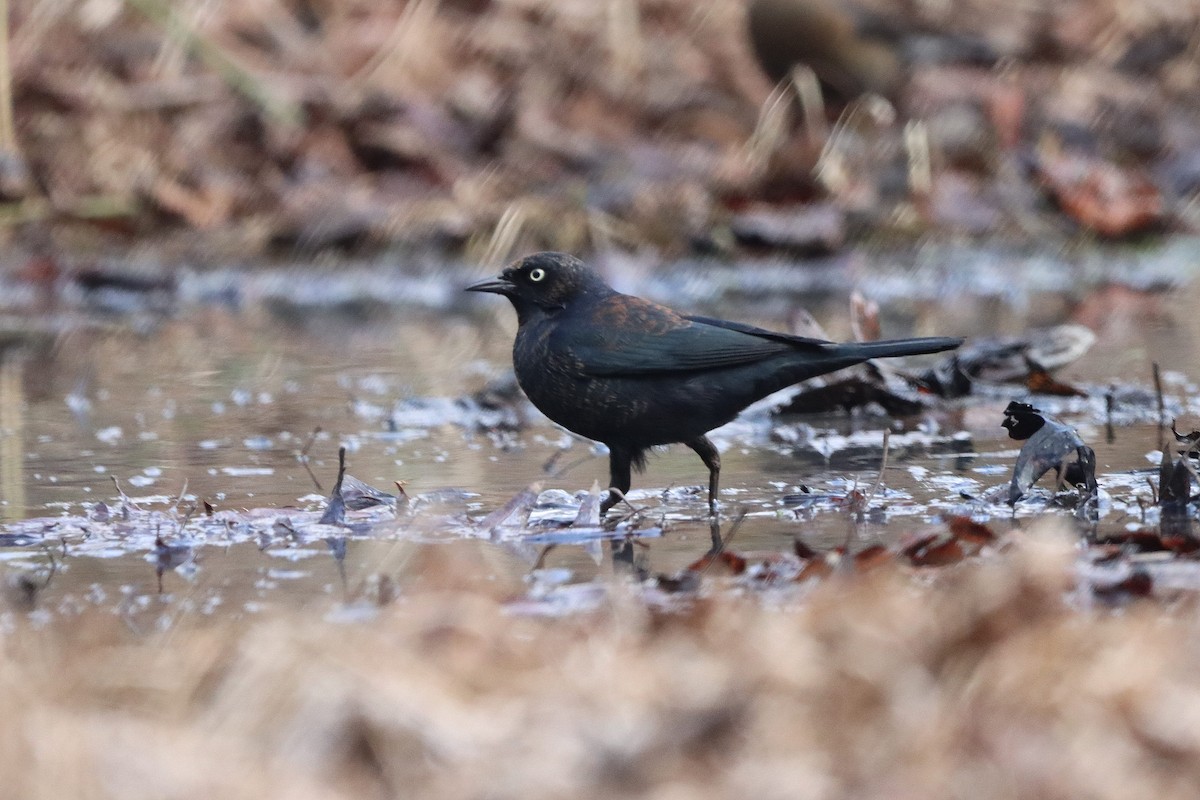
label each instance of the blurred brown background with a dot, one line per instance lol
(276, 126)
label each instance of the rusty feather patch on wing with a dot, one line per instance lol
(623, 311)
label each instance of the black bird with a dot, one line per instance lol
(633, 374)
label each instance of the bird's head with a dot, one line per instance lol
(543, 282)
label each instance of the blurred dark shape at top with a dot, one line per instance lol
(1147, 53)
(852, 50)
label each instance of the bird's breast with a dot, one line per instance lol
(554, 380)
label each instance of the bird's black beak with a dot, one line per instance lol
(493, 285)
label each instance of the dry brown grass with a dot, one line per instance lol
(270, 123)
(981, 681)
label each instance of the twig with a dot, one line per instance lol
(335, 511)
(504, 235)
(302, 457)
(830, 167)
(722, 544)
(883, 463)
(126, 503)
(179, 497)
(634, 511)
(1162, 413)
(916, 147)
(770, 130)
(549, 466)
(53, 569)
(1109, 402)
(412, 26)
(812, 102)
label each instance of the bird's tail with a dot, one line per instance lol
(888, 348)
(830, 356)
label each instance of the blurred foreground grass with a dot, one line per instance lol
(990, 679)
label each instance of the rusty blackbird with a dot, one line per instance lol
(634, 374)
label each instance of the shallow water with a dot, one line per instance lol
(215, 400)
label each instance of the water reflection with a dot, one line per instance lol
(220, 403)
(12, 434)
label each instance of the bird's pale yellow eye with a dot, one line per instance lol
(536, 274)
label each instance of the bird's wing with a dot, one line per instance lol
(646, 339)
(796, 342)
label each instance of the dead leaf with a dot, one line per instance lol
(1039, 381)
(1111, 199)
(966, 529)
(871, 557)
(722, 563)
(821, 566)
(1138, 584)
(933, 550)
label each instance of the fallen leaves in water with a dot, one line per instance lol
(962, 538)
(1029, 359)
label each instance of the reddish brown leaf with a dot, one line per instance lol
(1138, 584)
(966, 530)
(1180, 542)
(1110, 199)
(723, 563)
(872, 557)
(1140, 541)
(820, 567)
(934, 550)
(1104, 554)
(1040, 381)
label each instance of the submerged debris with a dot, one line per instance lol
(854, 392)
(1048, 443)
(513, 514)
(1028, 359)
(169, 556)
(359, 496)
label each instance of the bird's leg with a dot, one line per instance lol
(619, 476)
(712, 459)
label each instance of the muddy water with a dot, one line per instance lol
(215, 401)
